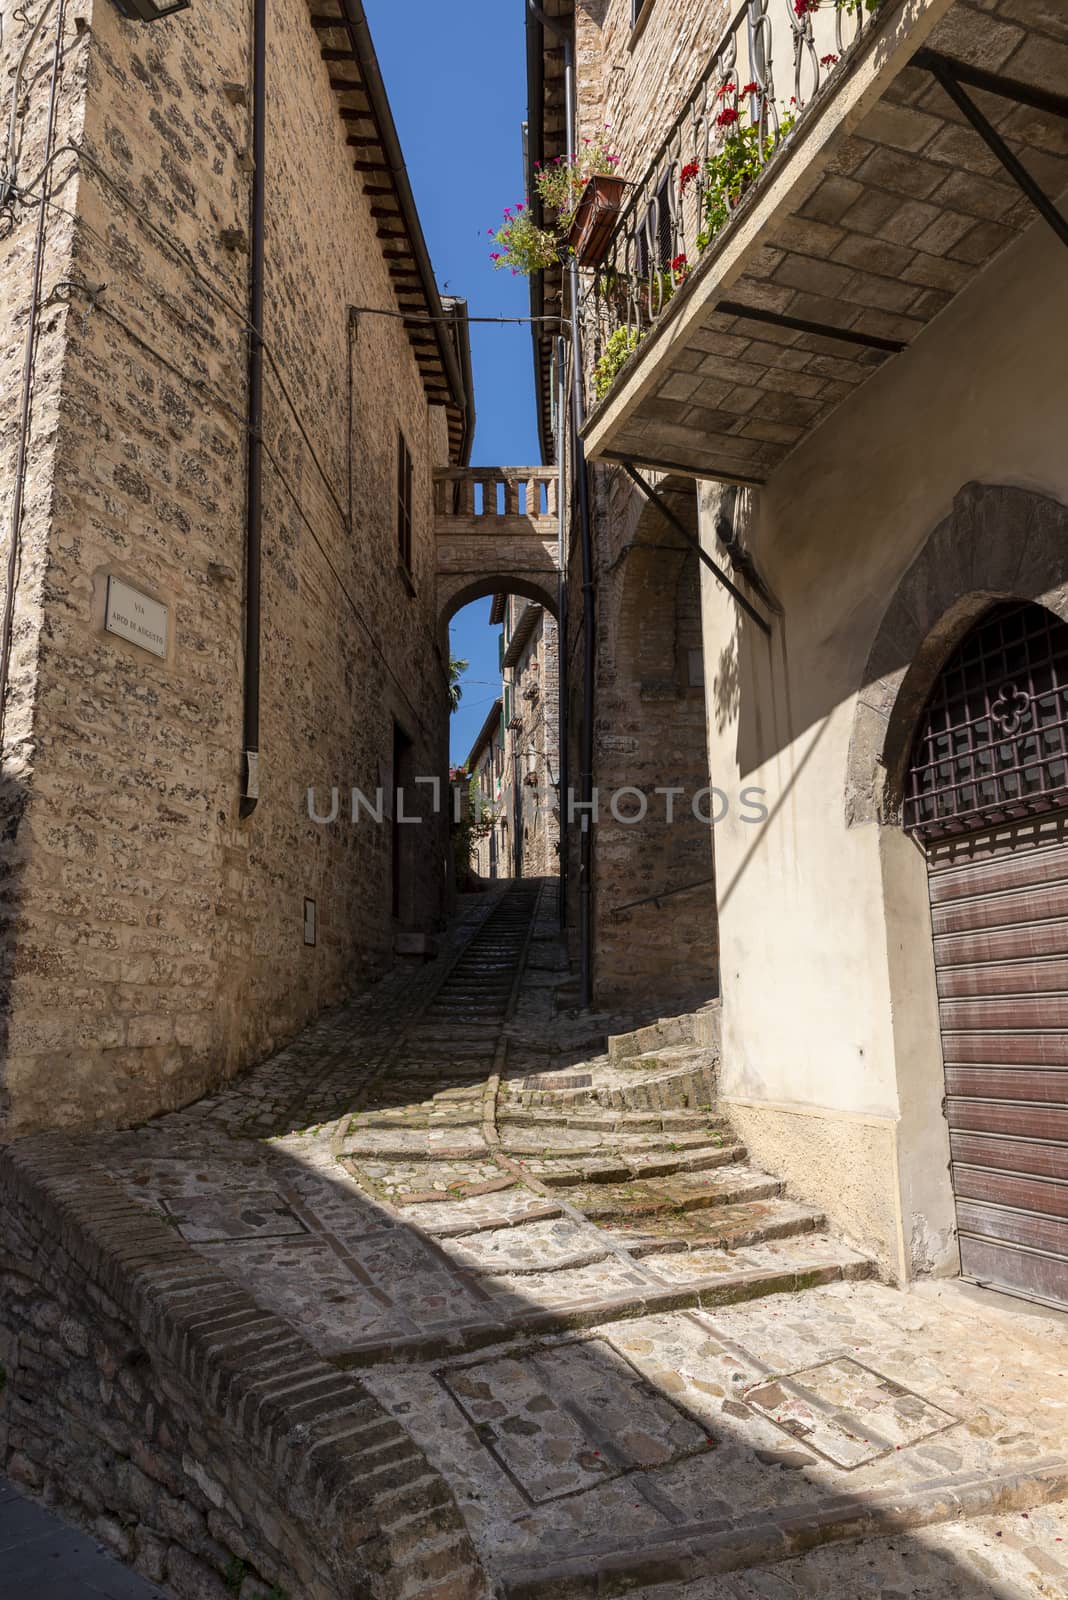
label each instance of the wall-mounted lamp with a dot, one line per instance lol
(150, 10)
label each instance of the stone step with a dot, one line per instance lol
(563, 1143)
(599, 1120)
(723, 1227)
(692, 1089)
(978, 1540)
(557, 1172)
(659, 1200)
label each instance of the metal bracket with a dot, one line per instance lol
(656, 498)
(952, 75)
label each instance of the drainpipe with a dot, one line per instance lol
(578, 417)
(563, 765)
(254, 490)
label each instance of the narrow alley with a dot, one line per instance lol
(626, 1355)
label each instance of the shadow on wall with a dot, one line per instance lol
(13, 858)
(656, 934)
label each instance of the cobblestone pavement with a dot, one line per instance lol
(635, 1359)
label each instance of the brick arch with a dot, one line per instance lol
(456, 592)
(998, 543)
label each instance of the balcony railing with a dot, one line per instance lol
(493, 499)
(767, 74)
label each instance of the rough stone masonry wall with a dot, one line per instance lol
(650, 734)
(192, 1433)
(649, 718)
(637, 80)
(159, 941)
(535, 700)
(18, 229)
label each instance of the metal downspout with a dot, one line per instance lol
(563, 764)
(254, 488)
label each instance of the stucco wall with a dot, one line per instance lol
(829, 999)
(158, 940)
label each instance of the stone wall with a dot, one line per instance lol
(186, 1429)
(650, 736)
(18, 231)
(637, 80)
(176, 928)
(650, 705)
(533, 748)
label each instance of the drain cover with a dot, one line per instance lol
(581, 1080)
(846, 1412)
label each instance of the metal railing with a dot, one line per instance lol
(488, 495)
(775, 61)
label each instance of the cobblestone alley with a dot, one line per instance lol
(636, 1363)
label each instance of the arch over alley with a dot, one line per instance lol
(497, 532)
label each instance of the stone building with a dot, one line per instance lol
(531, 690)
(213, 606)
(652, 941)
(851, 381)
(486, 767)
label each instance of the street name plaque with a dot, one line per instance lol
(134, 616)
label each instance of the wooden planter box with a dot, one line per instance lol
(596, 218)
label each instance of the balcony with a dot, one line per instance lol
(496, 532)
(822, 196)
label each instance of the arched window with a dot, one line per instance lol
(992, 745)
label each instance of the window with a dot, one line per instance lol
(657, 222)
(404, 503)
(639, 11)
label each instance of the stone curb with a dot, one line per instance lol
(254, 1373)
(703, 1295)
(709, 1549)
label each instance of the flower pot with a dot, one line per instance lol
(595, 219)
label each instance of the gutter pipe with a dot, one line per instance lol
(254, 478)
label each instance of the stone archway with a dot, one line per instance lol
(497, 532)
(999, 542)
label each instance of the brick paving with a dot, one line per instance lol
(632, 1356)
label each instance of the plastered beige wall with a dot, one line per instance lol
(828, 988)
(843, 1163)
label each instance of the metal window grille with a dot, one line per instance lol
(992, 745)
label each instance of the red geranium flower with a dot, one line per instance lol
(688, 174)
(726, 117)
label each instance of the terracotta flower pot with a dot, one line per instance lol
(596, 217)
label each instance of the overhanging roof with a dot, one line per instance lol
(437, 335)
(546, 139)
(489, 727)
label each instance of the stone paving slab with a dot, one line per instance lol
(1022, 1556)
(919, 1388)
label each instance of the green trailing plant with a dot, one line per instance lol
(619, 347)
(524, 247)
(560, 185)
(732, 170)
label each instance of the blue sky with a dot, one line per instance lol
(456, 77)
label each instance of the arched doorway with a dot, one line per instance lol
(986, 796)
